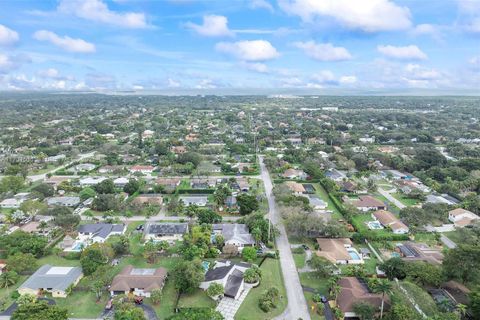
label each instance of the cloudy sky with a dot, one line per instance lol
(197, 44)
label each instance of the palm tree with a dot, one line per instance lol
(461, 309)
(384, 287)
(7, 279)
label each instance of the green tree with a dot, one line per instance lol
(385, 288)
(459, 263)
(247, 203)
(12, 183)
(39, 310)
(128, 311)
(394, 268)
(150, 251)
(8, 279)
(67, 222)
(207, 216)
(33, 207)
(215, 289)
(87, 193)
(21, 262)
(188, 275)
(197, 314)
(45, 190)
(475, 302)
(132, 186)
(364, 310)
(323, 268)
(105, 187)
(249, 254)
(94, 256)
(156, 296)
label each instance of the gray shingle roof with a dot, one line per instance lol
(57, 278)
(101, 230)
(167, 228)
(235, 231)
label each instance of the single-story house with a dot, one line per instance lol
(335, 175)
(199, 200)
(294, 174)
(231, 202)
(149, 198)
(165, 231)
(243, 185)
(229, 275)
(55, 280)
(91, 181)
(120, 182)
(317, 203)
(234, 234)
(389, 220)
(142, 169)
(99, 232)
(178, 149)
(63, 201)
(338, 251)
(461, 217)
(139, 282)
(413, 251)
(368, 203)
(15, 201)
(352, 291)
(295, 187)
(83, 167)
(169, 183)
(443, 198)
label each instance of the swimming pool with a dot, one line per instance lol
(205, 265)
(79, 245)
(354, 254)
(374, 225)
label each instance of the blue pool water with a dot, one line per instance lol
(205, 265)
(354, 255)
(78, 246)
(374, 225)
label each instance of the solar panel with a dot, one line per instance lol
(142, 272)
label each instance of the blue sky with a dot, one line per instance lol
(213, 44)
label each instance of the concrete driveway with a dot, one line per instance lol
(297, 305)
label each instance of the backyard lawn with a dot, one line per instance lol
(312, 307)
(405, 200)
(322, 193)
(311, 280)
(271, 277)
(361, 220)
(299, 260)
(83, 304)
(197, 299)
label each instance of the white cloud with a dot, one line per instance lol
(98, 11)
(53, 73)
(249, 50)
(213, 26)
(173, 83)
(323, 51)
(348, 79)
(10, 63)
(256, 66)
(324, 77)
(417, 72)
(206, 84)
(469, 15)
(66, 43)
(366, 15)
(261, 4)
(426, 29)
(7, 36)
(410, 52)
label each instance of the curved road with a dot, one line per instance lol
(297, 306)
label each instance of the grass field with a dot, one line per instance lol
(299, 260)
(405, 200)
(312, 307)
(311, 280)
(322, 193)
(271, 277)
(197, 299)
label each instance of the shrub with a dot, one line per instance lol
(252, 275)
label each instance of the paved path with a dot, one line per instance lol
(297, 306)
(44, 175)
(228, 307)
(446, 241)
(390, 198)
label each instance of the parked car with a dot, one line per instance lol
(109, 305)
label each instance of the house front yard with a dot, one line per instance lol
(271, 277)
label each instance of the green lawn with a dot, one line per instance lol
(311, 280)
(83, 304)
(299, 260)
(58, 261)
(322, 193)
(312, 307)
(420, 296)
(197, 299)
(5, 293)
(166, 306)
(271, 277)
(405, 200)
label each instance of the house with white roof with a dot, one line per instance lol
(461, 217)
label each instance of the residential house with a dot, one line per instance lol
(63, 201)
(231, 202)
(91, 181)
(412, 251)
(338, 251)
(294, 174)
(389, 220)
(138, 281)
(178, 149)
(368, 203)
(142, 169)
(316, 203)
(56, 158)
(84, 167)
(335, 175)
(199, 200)
(354, 290)
(234, 234)
(461, 217)
(295, 187)
(229, 275)
(167, 231)
(99, 232)
(56, 180)
(15, 202)
(169, 183)
(120, 182)
(56, 280)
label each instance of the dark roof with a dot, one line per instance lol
(234, 282)
(101, 230)
(218, 273)
(167, 228)
(57, 278)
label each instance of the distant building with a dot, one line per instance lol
(63, 201)
(461, 217)
(368, 203)
(142, 169)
